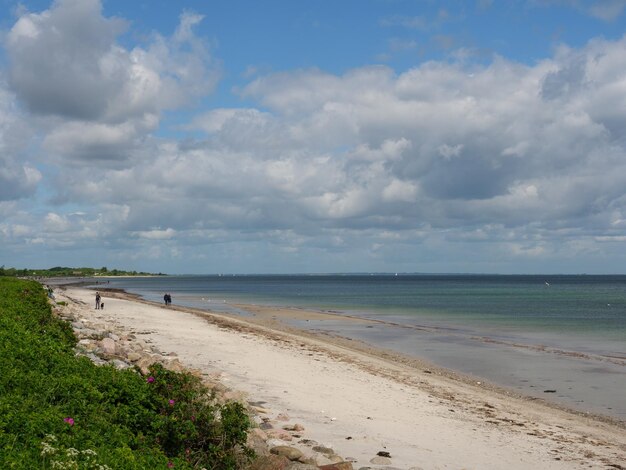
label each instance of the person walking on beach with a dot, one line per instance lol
(98, 300)
(167, 299)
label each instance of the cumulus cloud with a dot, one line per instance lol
(529, 158)
(439, 147)
(101, 98)
(18, 179)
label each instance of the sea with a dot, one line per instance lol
(560, 338)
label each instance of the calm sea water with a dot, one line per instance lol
(532, 333)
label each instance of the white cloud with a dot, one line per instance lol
(101, 98)
(157, 234)
(520, 156)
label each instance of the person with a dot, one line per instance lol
(98, 300)
(165, 299)
(169, 299)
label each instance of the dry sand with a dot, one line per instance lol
(359, 400)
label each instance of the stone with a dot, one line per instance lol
(256, 442)
(133, 356)
(275, 443)
(270, 462)
(279, 434)
(174, 365)
(259, 433)
(381, 460)
(324, 450)
(337, 466)
(301, 466)
(259, 409)
(293, 427)
(119, 364)
(113, 336)
(282, 417)
(108, 346)
(290, 452)
(308, 442)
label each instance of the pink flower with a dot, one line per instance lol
(171, 402)
(170, 464)
(150, 379)
(69, 421)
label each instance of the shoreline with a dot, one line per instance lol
(464, 410)
(286, 319)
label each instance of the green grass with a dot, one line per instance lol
(62, 411)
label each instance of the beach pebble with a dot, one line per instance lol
(308, 442)
(119, 364)
(133, 356)
(337, 466)
(381, 460)
(279, 434)
(323, 450)
(290, 452)
(108, 346)
(301, 466)
(293, 427)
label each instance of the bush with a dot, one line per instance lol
(60, 411)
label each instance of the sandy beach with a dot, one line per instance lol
(360, 401)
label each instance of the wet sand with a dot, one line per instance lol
(360, 400)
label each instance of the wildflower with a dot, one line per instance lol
(47, 449)
(170, 464)
(171, 402)
(150, 379)
(69, 421)
(71, 452)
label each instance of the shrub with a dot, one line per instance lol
(60, 411)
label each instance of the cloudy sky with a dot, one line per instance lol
(324, 136)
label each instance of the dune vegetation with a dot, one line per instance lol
(58, 410)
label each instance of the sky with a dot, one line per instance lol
(323, 136)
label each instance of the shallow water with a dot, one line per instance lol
(529, 333)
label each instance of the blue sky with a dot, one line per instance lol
(322, 136)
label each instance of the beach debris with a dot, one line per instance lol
(549, 391)
(383, 453)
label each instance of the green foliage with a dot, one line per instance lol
(60, 411)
